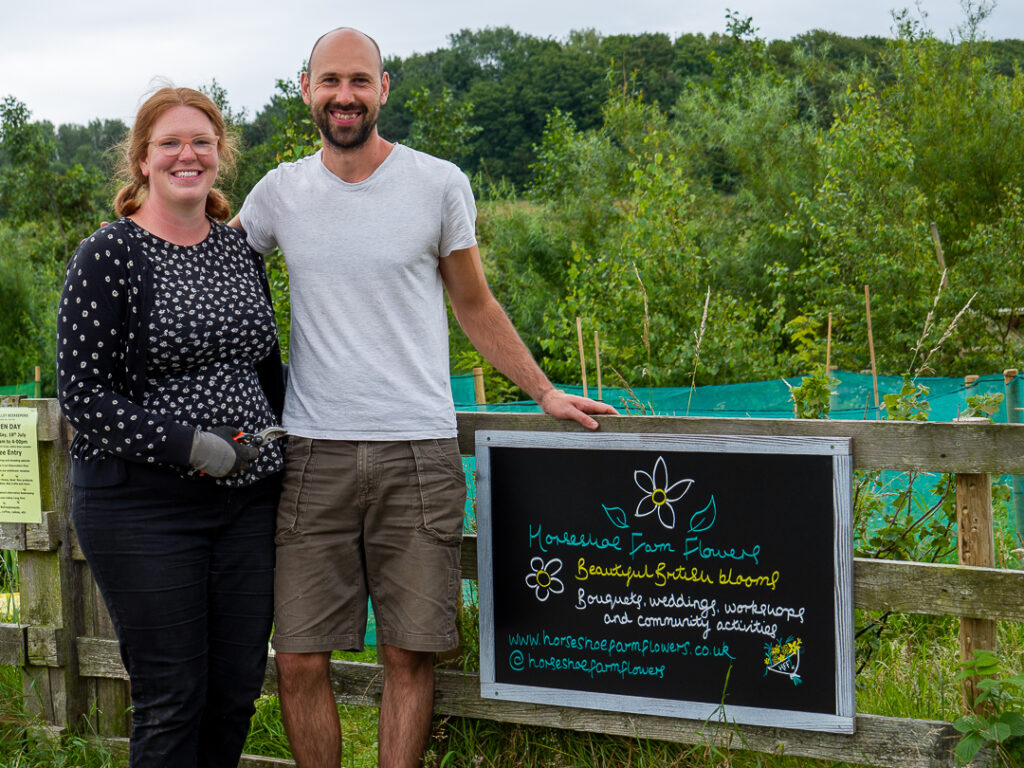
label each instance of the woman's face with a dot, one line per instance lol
(181, 158)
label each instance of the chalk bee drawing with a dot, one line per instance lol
(783, 658)
(542, 580)
(658, 494)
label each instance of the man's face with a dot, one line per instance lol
(345, 89)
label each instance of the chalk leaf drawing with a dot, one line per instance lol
(617, 516)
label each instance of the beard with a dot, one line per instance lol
(344, 137)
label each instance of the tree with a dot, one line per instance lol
(29, 287)
(440, 126)
(32, 187)
(89, 145)
(961, 118)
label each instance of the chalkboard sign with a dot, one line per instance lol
(687, 576)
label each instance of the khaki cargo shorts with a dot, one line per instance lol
(360, 518)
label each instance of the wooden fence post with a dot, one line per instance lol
(976, 545)
(60, 602)
(479, 396)
(51, 608)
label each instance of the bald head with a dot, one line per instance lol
(346, 36)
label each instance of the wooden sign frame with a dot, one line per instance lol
(759, 696)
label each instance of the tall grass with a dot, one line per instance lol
(22, 744)
(9, 610)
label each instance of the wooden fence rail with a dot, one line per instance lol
(65, 647)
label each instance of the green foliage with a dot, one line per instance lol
(865, 223)
(29, 286)
(812, 399)
(10, 609)
(637, 273)
(909, 404)
(917, 523)
(518, 80)
(997, 721)
(983, 405)
(89, 146)
(988, 259)
(294, 133)
(960, 117)
(805, 339)
(781, 176)
(497, 388)
(219, 96)
(524, 255)
(34, 189)
(582, 176)
(277, 275)
(23, 746)
(441, 126)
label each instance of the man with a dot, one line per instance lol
(373, 233)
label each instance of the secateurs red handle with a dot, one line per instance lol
(268, 435)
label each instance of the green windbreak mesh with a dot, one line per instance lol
(853, 398)
(28, 389)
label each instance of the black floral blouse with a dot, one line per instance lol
(156, 340)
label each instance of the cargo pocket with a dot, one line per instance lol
(442, 486)
(298, 469)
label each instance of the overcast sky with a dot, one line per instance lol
(71, 61)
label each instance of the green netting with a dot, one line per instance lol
(853, 398)
(28, 389)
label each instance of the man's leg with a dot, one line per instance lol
(319, 591)
(308, 710)
(405, 707)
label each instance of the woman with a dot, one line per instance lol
(167, 349)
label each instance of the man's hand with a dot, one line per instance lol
(556, 403)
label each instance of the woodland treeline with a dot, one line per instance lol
(704, 203)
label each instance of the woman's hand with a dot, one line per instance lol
(218, 454)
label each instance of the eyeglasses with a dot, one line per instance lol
(172, 146)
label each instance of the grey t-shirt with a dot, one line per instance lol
(369, 330)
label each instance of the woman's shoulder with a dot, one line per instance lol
(233, 235)
(111, 244)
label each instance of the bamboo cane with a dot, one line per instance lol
(871, 343)
(828, 347)
(939, 255)
(583, 362)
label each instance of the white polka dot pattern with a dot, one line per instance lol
(198, 318)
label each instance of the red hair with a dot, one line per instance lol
(136, 144)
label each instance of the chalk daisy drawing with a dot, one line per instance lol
(542, 580)
(658, 494)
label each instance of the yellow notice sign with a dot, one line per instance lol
(19, 466)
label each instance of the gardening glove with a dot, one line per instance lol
(217, 454)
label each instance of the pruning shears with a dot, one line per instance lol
(268, 435)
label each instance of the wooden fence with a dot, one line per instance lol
(72, 669)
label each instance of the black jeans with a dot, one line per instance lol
(186, 568)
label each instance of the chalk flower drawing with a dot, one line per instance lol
(658, 494)
(783, 657)
(543, 581)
